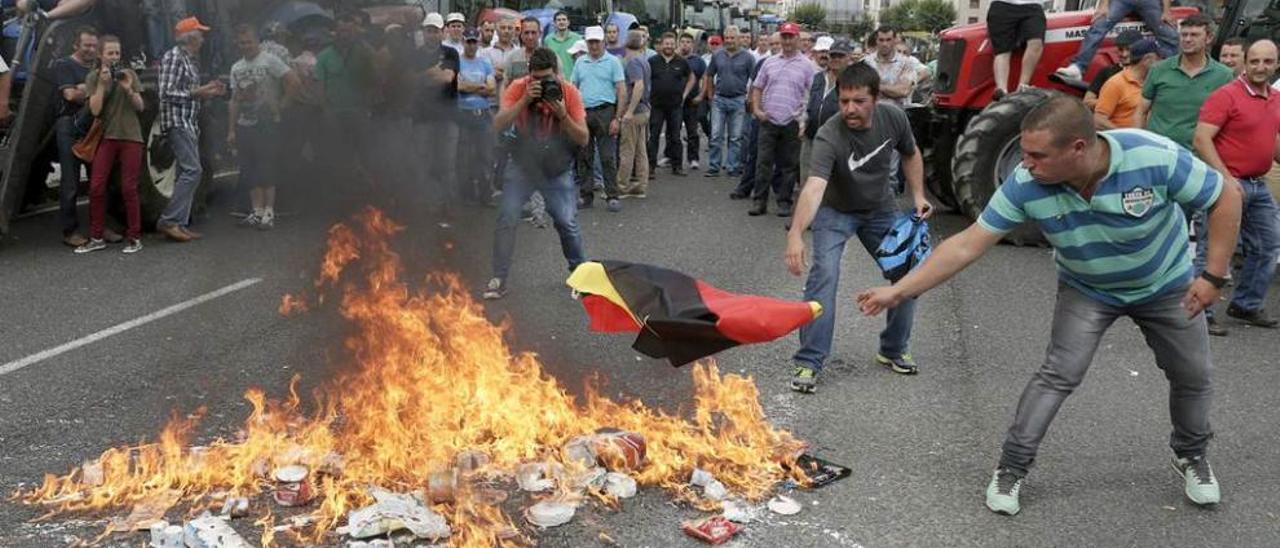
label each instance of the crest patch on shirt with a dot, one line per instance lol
(1137, 202)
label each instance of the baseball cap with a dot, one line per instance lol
(470, 35)
(594, 33)
(578, 47)
(433, 19)
(789, 28)
(1128, 38)
(841, 47)
(189, 24)
(823, 43)
(1141, 48)
(715, 40)
(455, 17)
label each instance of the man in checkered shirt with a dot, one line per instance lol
(180, 96)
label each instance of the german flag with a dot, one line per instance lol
(677, 317)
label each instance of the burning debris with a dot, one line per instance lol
(428, 432)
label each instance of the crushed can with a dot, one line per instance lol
(620, 450)
(442, 485)
(293, 486)
(713, 530)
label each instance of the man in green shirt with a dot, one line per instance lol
(1177, 87)
(560, 41)
(345, 71)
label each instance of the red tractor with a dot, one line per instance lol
(972, 144)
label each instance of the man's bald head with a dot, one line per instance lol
(1260, 63)
(1262, 47)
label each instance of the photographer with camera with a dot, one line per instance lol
(550, 124)
(115, 99)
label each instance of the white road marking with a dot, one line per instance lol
(121, 328)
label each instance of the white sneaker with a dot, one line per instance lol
(267, 221)
(495, 289)
(694, 165)
(133, 246)
(664, 161)
(1069, 72)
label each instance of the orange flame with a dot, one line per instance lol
(432, 378)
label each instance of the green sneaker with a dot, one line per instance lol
(902, 365)
(804, 380)
(1201, 485)
(1002, 492)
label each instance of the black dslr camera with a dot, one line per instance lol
(117, 71)
(551, 90)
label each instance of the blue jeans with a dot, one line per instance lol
(831, 230)
(1260, 237)
(69, 165)
(186, 152)
(562, 204)
(727, 115)
(1148, 10)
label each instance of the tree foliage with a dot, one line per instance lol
(811, 15)
(921, 15)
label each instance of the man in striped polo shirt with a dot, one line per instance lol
(1109, 205)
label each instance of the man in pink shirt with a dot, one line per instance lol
(778, 97)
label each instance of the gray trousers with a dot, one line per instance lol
(1181, 348)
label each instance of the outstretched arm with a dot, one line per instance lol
(952, 255)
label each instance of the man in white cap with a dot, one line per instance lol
(819, 52)
(454, 24)
(600, 78)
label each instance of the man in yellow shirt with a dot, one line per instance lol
(1122, 94)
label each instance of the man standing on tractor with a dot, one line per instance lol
(1122, 94)
(1154, 13)
(1237, 124)
(1177, 87)
(846, 197)
(1013, 24)
(1122, 250)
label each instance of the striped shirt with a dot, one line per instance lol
(1128, 245)
(179, 77)
(784, 84)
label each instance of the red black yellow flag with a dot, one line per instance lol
(678, 317)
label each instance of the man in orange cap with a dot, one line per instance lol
(180, 96)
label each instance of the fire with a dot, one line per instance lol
(431, 378)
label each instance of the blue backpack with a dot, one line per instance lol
(905, 246)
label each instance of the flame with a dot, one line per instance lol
(431, 378)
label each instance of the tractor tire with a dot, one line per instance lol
(988, 151)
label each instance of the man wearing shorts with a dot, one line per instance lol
(1013, 24)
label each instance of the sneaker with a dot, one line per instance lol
(496, 289)
(598, 186)
(638, 194)
(760, 208)
(711, 174)
(735, 195)
(1216, 329)
(92, 245)
(1256, 318)
(664, 161)
(784, 210)
(1002, 492)
(250, 220)
(1069, 72)
(1025, 87)
(267, 221)
(804, 380)
(1200, 484)
(998, 94)
(903, 365)
(614, 205)
(694, 165)
(133, 246)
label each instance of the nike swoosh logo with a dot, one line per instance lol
(854, 164)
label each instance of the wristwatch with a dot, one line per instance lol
(1217, 282)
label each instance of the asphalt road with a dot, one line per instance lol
(921, 448)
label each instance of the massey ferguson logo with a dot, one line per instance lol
(1076, 34)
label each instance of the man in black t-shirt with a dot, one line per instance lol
(672, 80)
(1123, 41)
(68, 76)
(848, 195)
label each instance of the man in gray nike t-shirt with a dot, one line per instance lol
(847, 195)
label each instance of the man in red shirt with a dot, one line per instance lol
(1237, 123)
(546, 116)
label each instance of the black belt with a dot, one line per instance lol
(606, 105)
